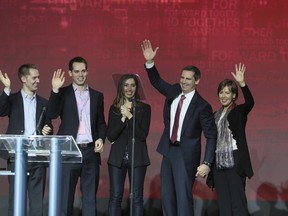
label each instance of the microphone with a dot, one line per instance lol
(40, 120)
(33, 142)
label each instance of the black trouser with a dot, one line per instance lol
(117, 177)
(88, 172)
(230, 189)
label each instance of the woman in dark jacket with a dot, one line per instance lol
(232, 164)
(120, 131)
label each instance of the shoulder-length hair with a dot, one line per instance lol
(231, 85)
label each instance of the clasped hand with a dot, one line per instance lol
(99, 146)
(125, 112)
(203, 170)
(46, 130)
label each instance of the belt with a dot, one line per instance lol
(85, 145)
(176, 143)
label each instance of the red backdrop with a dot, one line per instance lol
(213, 35)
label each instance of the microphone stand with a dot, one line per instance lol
(132, 158)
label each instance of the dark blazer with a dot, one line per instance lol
(237, 119)
(64, 104)
(120, 134)
(198, 118)
(12, 106)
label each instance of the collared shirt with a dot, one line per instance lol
(29, 104)
(174, 105)
(184, 109)
(84, 134)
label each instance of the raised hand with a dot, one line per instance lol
(239, 74)
(5, 80)
(58, 80)
(148, 52)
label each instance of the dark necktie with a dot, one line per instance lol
(176, 120)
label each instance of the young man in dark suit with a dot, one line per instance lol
(24, 109)
(81, 110)
(186, 115)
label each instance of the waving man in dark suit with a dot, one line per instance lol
(81, 110)
(186, 115)
(24, 109)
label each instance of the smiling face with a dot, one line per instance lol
(187, 81)
(129, 88)
(226, 97)
(79, 73)
(31, 81)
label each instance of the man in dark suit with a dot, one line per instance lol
(180, 143)
(81, 110)
(24, 109)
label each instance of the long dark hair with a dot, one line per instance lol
(120, 98)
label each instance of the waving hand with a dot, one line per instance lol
(239, 74)
(148, 52)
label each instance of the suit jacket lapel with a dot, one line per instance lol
(189, 113)
(170, 97)
(176, 90)
(74, 106)
(21, 108)
(39, 108)
(93, 100)
(169, 103)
